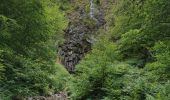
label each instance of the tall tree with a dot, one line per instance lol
(29, 32)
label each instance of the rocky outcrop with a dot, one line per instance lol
(60, 96)
(79, 36)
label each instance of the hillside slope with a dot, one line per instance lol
(85, 49)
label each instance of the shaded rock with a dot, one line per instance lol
(77, 42)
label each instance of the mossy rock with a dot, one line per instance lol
(89, 22)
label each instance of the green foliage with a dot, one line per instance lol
(92, 71)
(132, 63)
(130, 60)
(1, 69)
(29, 32)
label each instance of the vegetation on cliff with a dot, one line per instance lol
(129, 57)
(130, 61)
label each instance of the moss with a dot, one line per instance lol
(91, 23)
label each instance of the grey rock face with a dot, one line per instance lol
(60, 96)
(78, 37)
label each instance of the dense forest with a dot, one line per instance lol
(84, 49)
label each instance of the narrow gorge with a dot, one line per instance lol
(85, 50)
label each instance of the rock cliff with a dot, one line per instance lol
(85, 20)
